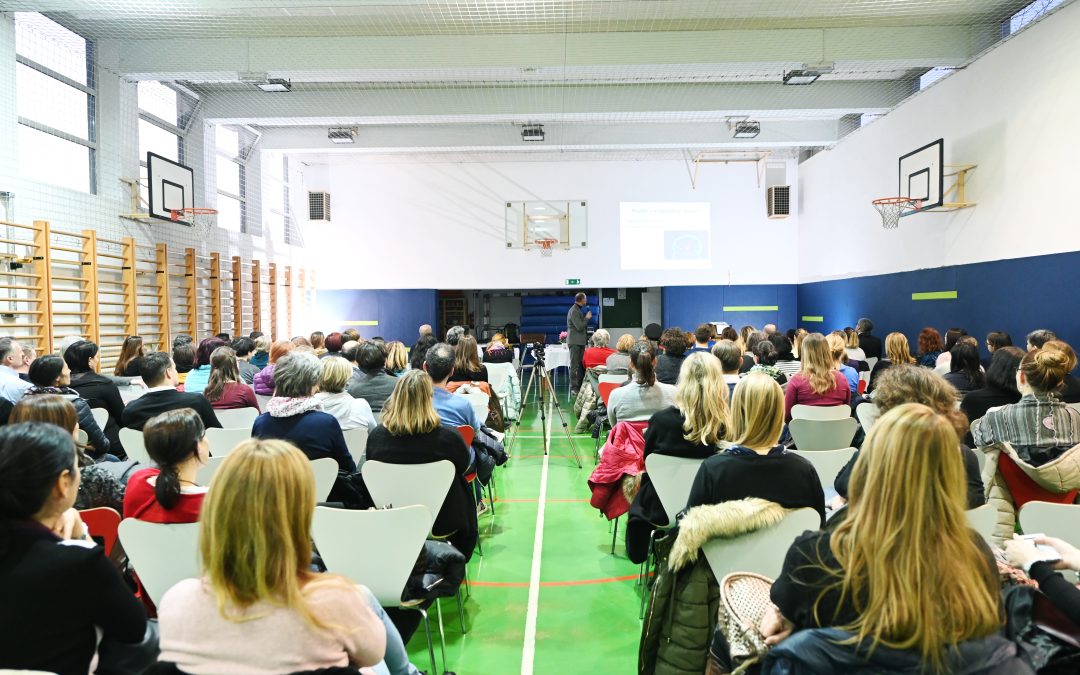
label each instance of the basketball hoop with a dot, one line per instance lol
(545, 246)
(202, 220)
(892, 208)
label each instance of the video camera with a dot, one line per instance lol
(537, 351)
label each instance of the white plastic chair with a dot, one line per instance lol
(346, 540)
(326, 471)
(761, 551)
(101, 416)
(479, 402)
(1053, 520)
(206, 471)
(263, 400)
(394, 485)
(672, 477)
(504, 382)
(356, 441)
(134, 446)
(222, 441)
(871, 361)
(238, 418)
(162, 554)
(820, 412)
(983, 520)
(822, 434)
(867, 413)
(827, 463)
(613, 379)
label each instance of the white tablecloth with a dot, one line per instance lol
(557, 356)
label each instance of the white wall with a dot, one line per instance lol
(402, 224)
(1012, 112)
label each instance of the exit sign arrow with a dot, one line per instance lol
(573, 282)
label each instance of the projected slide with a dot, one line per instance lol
(664, 235)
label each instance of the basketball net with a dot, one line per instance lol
(892, 208)
(202, 220)
(546, 246)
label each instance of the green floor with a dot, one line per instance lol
(587, 609)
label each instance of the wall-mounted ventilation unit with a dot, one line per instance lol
(319, 206)
(778, 201)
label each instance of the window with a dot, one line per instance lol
(273, 173)
(233, 145)
(1035, 10)
(54, 82)
(933, 75)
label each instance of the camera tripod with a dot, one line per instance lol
(545, 396)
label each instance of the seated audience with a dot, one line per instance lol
(118, 381)
(50, 375)
(295, 415)
(750, 342)
(83, 360)
(372, 383)
(272, 614)
(859, 578)
(785, 362)
(618, 362)
(838, 352)
(467, 366)
(301, 341)
(817, 383)
(965, 372)
(851, 346)
(765, 360)
(224, 337)
(101, 484)
(334, 343)
(184, 358)
(454, 333)
(397, 358)
(693, 428)
(264, 380)
(703, 337)
(131, 355)
(598, 353)
(350, 335)
(12, 386)
(453, 410)
(414, 432)
(929, 347)
(995, 340)
(60, 591)
(1070, 388)
(260, 358)
(244, 348)
(755, 464)
(1064, 595)
(200, 374)
(28, 356)
(1000, 387)
(1040, 427)
(351, 413)
(644, 395)
(911, 384)
(498, 350)
(419, 351)
(796, 342)
(674, 345)
(224, 390)
(317, 342)
(730, 355)
(868, 342)
(952, 336)
(896, 353)
(169, 493)
(348, 352)
(161, 395)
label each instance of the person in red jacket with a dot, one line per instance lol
(601, 349)
(176, 441)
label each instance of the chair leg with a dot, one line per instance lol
(614, 535)
(442, 634)
(461, 611)
(645, 578)
(430, 644)
(479, 544)
(468, 589)
(491, 497)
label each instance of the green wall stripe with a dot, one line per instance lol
(936, 295)
(360, 323)
(816, 319)
(751, 308)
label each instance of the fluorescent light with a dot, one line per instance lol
(798, 77)
(275, 85)
(745, 129)
(341, 135)
(532, 132)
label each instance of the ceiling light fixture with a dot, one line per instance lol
(532, 132)
(275, 84)
(743, 127)
(800, 77)
(341, 135)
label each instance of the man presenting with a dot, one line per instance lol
(577, 324)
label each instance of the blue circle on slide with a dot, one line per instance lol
(684, 246)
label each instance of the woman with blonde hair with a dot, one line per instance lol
(903, 580)
(854, 351)
(260, 357)
(258, 607)
(351, 413)
(897, 353)
(840, 358)
(618, 363)
(818, 383)
(498, 350)
(754, 463)
(412, 433)
(693, 427)
(467, 365)
(318, 342)
(397, 358)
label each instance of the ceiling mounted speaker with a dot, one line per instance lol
(778, 201)
(319, 206)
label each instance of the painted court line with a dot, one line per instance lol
(528, 652)
(551, 584)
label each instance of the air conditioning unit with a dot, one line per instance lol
(319, 206)
(778, 201)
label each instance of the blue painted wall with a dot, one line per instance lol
(688, 306)
(399, 312)
(1015, 296)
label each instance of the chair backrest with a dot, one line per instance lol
(326, 472)
(605, 390)
(101, 416)
(222, 441)
(206, 471)
(102, 522)
(467, 434)
(871, 361)
(613, 379)
(822, 434)
(761, 551)
(377, 547)
(161, 554)
(983, 520)
(499, 378)
(238, 418)
(1053, 520)
(132, 440)
(867, 413)
(479, 402)
(356, 441)
(820, 412)
(394, 485)
(1024, 489)
(263, 399)
(672, 477)
(828, 463)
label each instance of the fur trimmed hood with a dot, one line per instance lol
(726, 519)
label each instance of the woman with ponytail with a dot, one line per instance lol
(176, 441)
(818, 383)
(643, 396)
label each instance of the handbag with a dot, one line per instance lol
(744, 599)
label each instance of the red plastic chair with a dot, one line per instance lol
(605, 390)
(467, 434)
(1024, 489)
(102, 522)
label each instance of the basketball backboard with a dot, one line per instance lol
(922, 175)
(171, 187)
(532, 221)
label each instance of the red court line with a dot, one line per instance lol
(525, 584)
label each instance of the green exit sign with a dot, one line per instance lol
(573, 282)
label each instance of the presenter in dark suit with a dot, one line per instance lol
(159, 375)
(870, 344)
(577, 336)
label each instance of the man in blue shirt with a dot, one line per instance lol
(11, 357)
